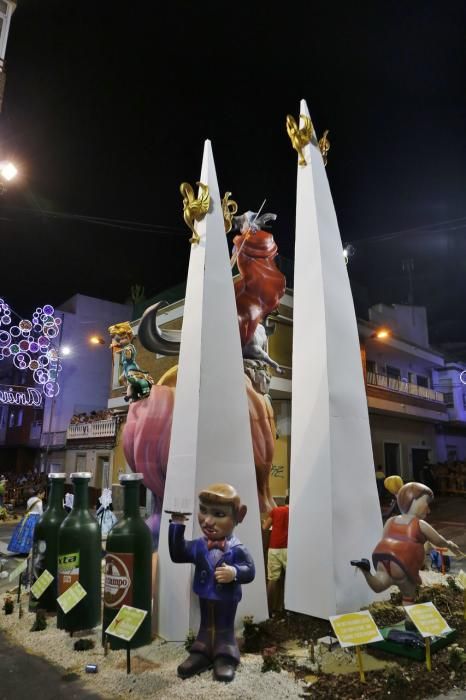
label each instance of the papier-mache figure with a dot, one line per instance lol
(222, 564)
(104, 514)
(138, 382)
(400, 554)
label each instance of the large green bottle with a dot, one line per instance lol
(128, 565)
(79, 559)
(45, 544)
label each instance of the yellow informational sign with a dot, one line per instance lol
(71, 597)
(18, 570)
(355, 629)
(42, 583)
(461, 579)
(427, 619)
(126, 623)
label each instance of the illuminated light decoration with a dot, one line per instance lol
(51, 389)
(41, 376)
(27, 396)
(5, 339)
(463, 377)
(21, 360)
(33, 337)
(25, 326)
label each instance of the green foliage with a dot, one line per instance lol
(190, 639)
(251, 635)
(451, 581)
(8, 605)
(396, 681)
(84, 644)
(456, 657)
(40, 623)
(271, 662)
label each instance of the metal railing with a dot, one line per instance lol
(92, 429)
(403, 387)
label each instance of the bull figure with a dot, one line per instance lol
(258, 291)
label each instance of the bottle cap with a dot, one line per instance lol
(133, 476)
(81, 475)
(57, 475)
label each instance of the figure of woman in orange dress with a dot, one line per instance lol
(400, 554)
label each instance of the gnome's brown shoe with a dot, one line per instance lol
(224, 668)
(194, 664)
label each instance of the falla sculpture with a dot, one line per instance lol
(400, 555)
(138, 382)
(222, 564)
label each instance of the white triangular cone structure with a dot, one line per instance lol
(211, 437)
(334, 509)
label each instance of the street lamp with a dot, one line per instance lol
(381, 334)
(8, 170)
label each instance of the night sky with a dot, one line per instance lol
(107, 105)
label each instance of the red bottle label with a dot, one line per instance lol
(118, 587)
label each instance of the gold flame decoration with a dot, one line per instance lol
(194, 209)
(324, 145)
(229, 209)
(299, 137)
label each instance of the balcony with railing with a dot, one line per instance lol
(402, 387)
(92, 429)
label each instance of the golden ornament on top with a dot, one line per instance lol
(324, 145)
(300, 137)
(229, 209)
(194, 209)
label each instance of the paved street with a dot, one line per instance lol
(22, 675)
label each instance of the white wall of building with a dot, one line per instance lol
(409, 434)
(85, 379)
(407, 322)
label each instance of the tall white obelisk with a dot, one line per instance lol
(211, 435)
(334, 508)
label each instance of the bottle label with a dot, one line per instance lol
(38, 558)
(118, 587)
(68, 571)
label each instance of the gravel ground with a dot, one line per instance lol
(153, 667)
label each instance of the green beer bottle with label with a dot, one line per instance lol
(128, 566)
(79, 559)
(45, 544)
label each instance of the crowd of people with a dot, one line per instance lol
(105, 414)
(17, 488)
(448, 477)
